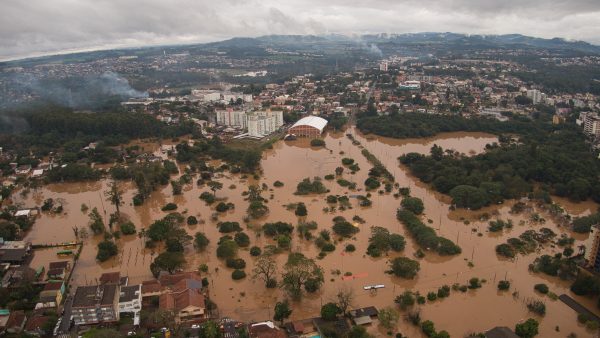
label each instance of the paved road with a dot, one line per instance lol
(65, 323)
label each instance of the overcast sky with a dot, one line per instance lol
(36, 27)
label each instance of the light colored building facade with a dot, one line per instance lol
(130, 301)
(232, 118)
(263, 123)
(535, 95)
(592, 246)
(591, 125)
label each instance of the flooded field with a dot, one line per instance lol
(290, 162)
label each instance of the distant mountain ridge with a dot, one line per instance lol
(416, 38)
(425, 38)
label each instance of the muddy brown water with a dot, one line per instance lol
(290, 162)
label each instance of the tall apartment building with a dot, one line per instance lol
(258, 123)
(232, 118)
(96, 304)
(592, 246)
(383, 66)
(535, 95)
(591, 124)
(263, 123)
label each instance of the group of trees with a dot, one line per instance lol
(306, 187)
(559, 159)
(425, 236)
(169, 230)
(411, 125)
(245, 160)
(52, 127)
(256, 206)
(147, 176)
(382, 241)
(301, 273)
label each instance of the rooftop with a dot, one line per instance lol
(129, 293)
(312, 121)
(58, 265)
(89, 296)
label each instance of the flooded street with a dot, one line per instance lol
(290, 162)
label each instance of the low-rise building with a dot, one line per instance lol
(185, 300)
(130, 301)
(16, 322)
(14, 252)
(53, 292)
(96, 304)
(35, 325)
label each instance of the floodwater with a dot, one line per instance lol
(290, 162)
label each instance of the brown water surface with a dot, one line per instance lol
(290, 162)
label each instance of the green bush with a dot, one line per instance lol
(317, 142)
(541, 288)
(227, 227)
(241, 239)
(413, 204)
(222, 207)
(106, 250)
(306, 187)
(238, 274)
(503, 285)
(128, 228)
(169, 207)
(255, 251)
(192, 220)
(404, 267)
(431, 296)
(350, 248)
(235, 263)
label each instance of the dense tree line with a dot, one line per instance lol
(409, 125)
(425, 236)
(243, 159)
(561, 161)
(49, 127)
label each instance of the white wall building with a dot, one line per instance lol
(535, 95)
(591, 124)
(130, 301)
(232, 118)
(263, 123)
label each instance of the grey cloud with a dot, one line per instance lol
(40, 26)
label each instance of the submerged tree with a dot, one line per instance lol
(299, 272)
(282, 311)
(266, 269)
(115, 196)
(214, 186)
(96, 222)
(167, 261)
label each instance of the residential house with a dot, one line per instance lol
(14, 252)
(16, 322)
(4, 316)
(58, 270)
(23, 169)
(16, 275)
(35, 325)
(265, 330)
(185, 300)
(53, 292)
